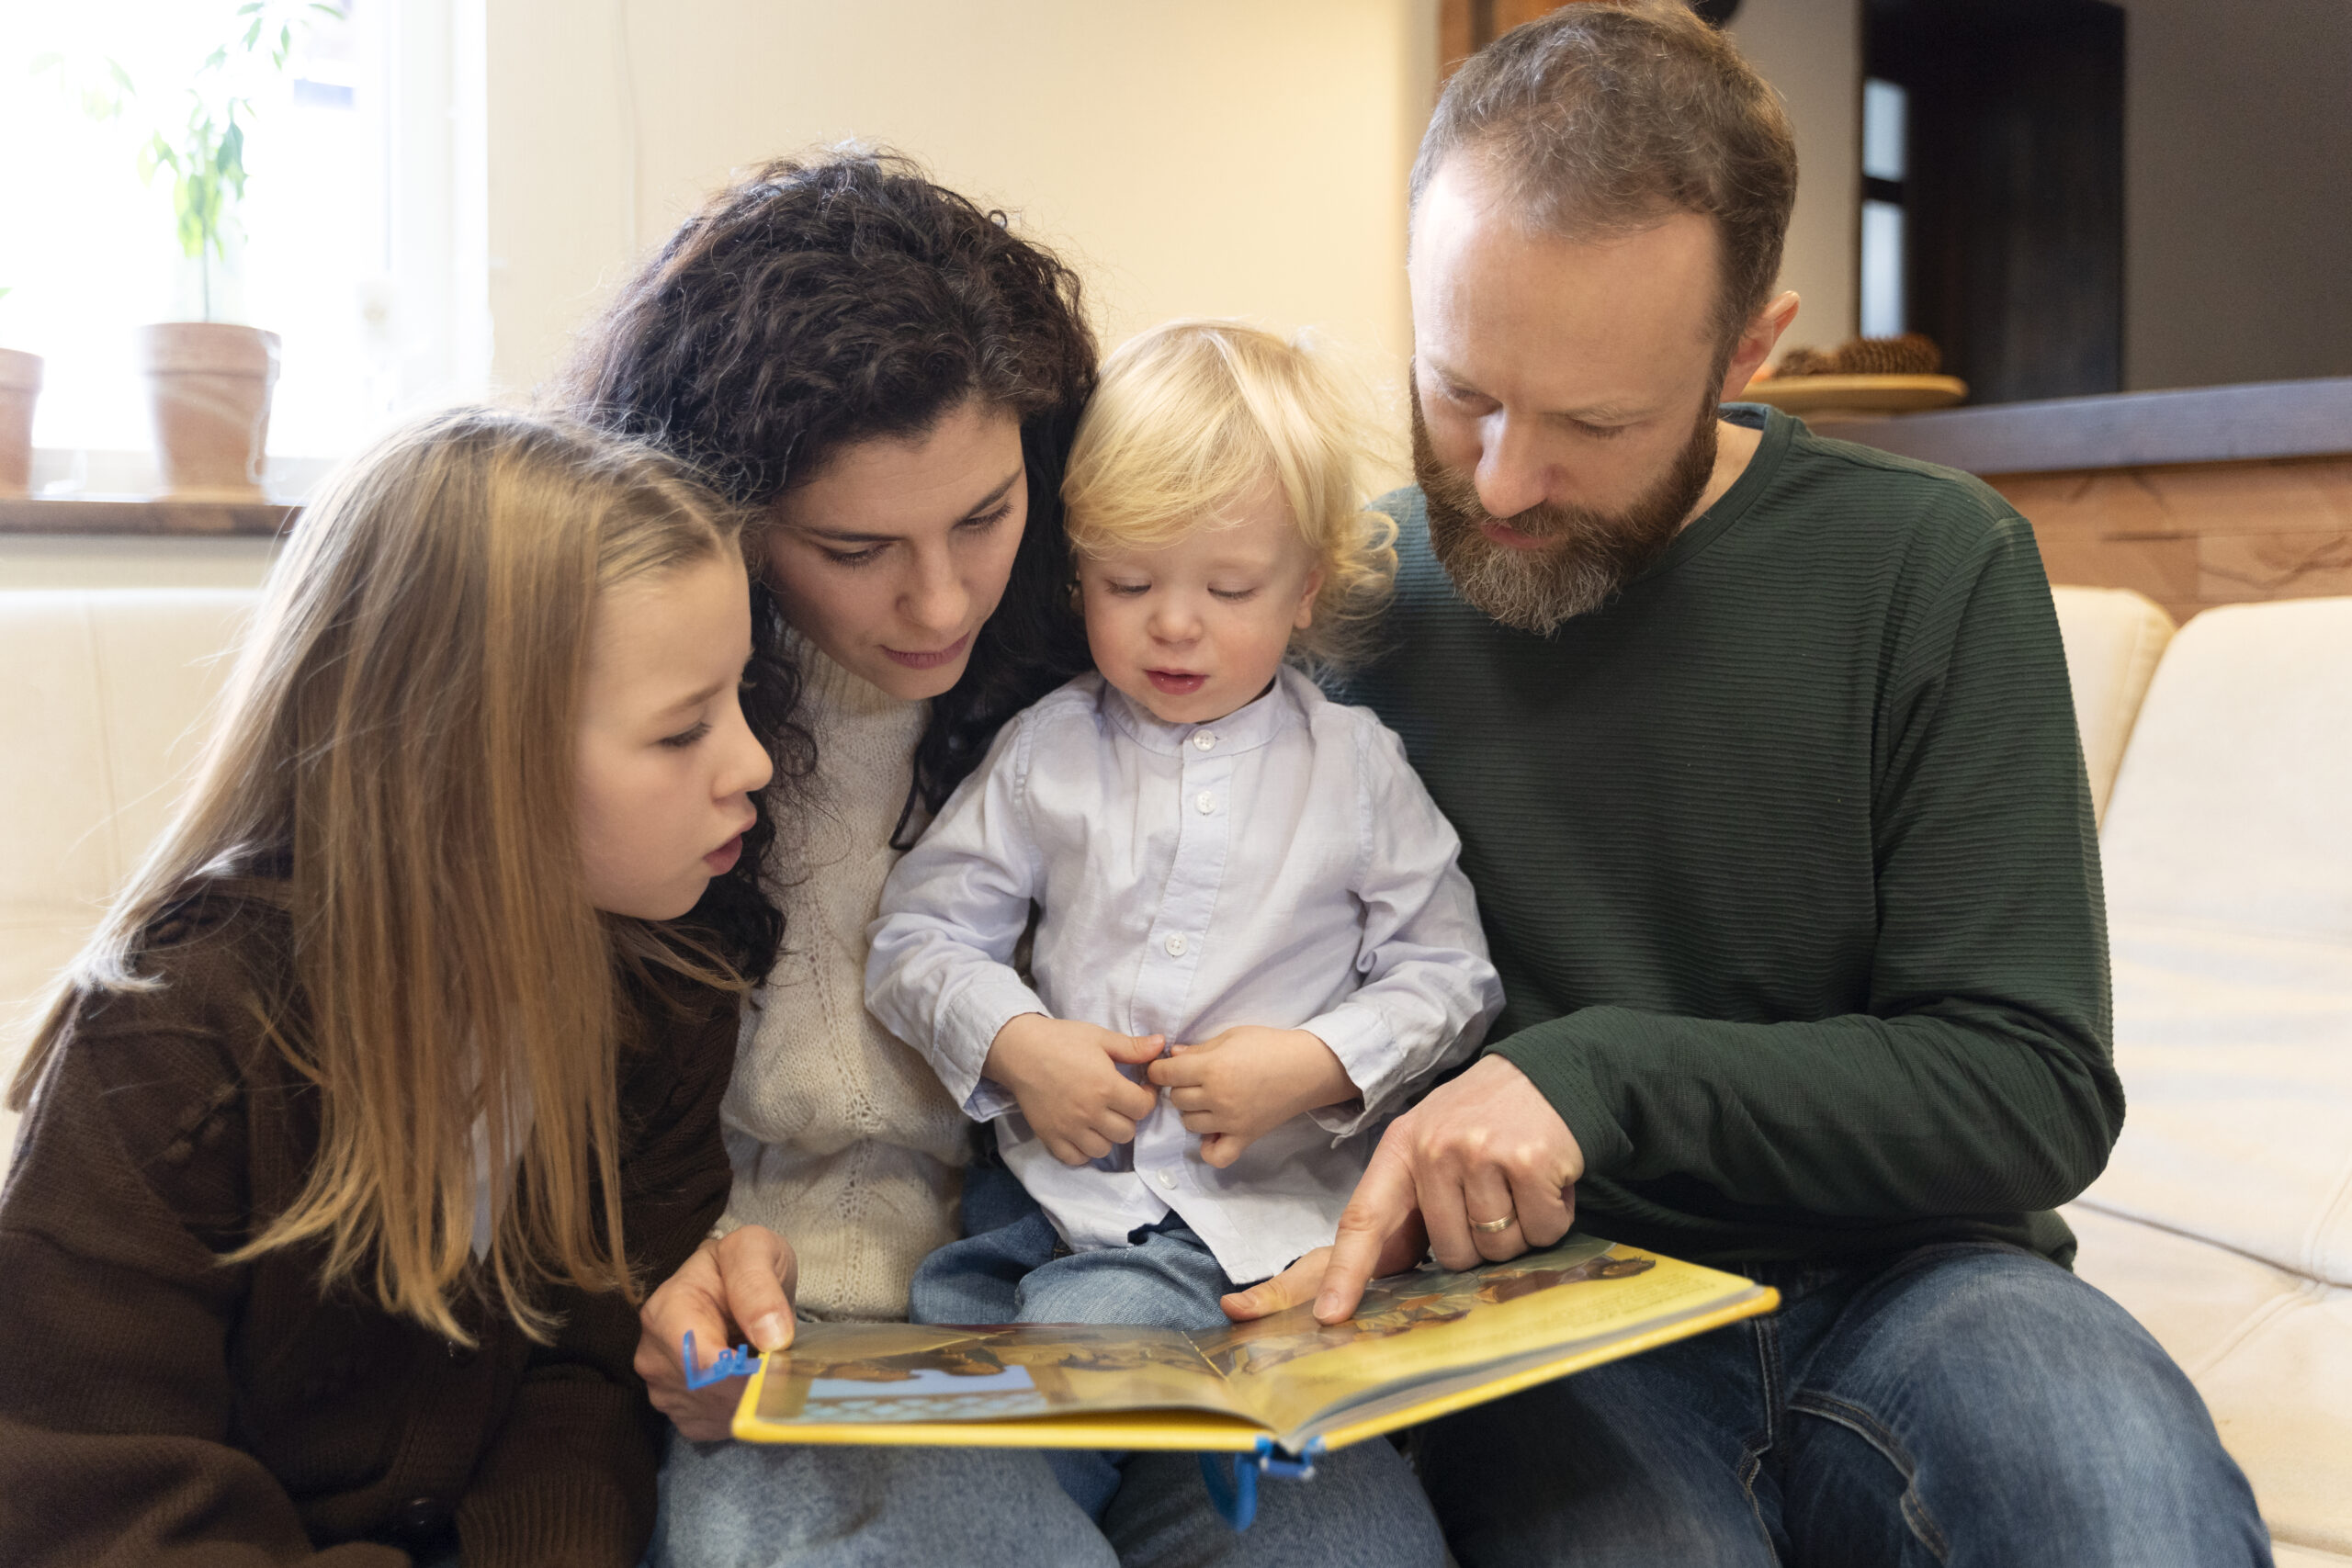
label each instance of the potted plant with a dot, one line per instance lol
(19, 386)
(210, 381)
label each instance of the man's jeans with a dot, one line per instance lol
(1964, 1404)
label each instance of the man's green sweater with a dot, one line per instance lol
(1786, 858)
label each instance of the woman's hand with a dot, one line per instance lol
(745, 1278)
(1065, 1074)
(1236, 1086)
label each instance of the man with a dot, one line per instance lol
(1762, 755)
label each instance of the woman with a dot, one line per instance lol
(889, 378)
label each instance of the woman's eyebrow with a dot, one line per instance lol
(981, 508)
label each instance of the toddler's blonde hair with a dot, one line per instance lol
(1192, 416)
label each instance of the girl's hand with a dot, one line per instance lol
(746, 1278)
(1236, 1086)
(1066, 1076)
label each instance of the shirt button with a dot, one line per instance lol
(1203, 740)
(1206, 802)
(1176, 945)
(1166, 1179)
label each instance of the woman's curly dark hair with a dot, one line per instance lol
(827, 300)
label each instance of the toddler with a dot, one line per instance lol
(1251, 940)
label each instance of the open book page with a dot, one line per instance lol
(1420, 1339)
(867, 1374)
(1421, 1344)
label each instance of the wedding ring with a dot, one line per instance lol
(1488, 1228)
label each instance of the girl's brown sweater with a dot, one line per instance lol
(158, 1407)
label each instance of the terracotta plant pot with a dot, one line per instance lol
(20, 387)
(209, 386)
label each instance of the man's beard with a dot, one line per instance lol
(1585, 556)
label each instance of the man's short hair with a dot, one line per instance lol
(1608, 116)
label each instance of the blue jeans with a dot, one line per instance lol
(1961, 1404)
(1166, 1278)
(753, 1506)
(1017, 1272)
(750, 1506)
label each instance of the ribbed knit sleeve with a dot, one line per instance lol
(1978, 1080)
(158, 1406)
(568, 1479)
(117, 1404)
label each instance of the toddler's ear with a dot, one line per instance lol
(1306, 600)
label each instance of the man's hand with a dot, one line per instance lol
(1236, 1086)
(1303, 1279)
(1066, 1076)
(1485, 1146)
(745, 1278)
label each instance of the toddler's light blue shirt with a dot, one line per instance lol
(1281, 866)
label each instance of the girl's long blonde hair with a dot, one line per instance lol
(401, 731)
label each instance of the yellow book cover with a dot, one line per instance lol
(1422, 1344)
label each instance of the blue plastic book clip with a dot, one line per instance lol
(740, 1362)
(1237, 1498)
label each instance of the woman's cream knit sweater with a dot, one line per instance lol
(843, 1142)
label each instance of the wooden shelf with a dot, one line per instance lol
(2263, 420)
(138, 514)
(2219, 495)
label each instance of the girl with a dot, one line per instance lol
(1215, 855)
(888, 377)
(394, 1074)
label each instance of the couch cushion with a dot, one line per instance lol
(2270, 1350)
(2113, 639)
(2228, 811)
(2224, 1220)
(116, 690)
(2228, 855)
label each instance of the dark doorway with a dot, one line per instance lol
(2006, 202)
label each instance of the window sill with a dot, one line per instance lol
(141, 514)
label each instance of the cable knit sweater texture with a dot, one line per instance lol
(843, 1140)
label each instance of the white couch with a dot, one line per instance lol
(2224, 1222)
(104, 699)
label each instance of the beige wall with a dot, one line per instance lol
(1811, 50)
(2237, 154)
(1212, 157)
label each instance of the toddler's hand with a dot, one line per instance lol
(1240, 1084)
(1066, 1076)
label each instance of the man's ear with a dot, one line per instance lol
(1756, 344)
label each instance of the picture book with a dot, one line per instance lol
(1422, 1344)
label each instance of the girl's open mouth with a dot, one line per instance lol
(722, 860)
(1176, 682)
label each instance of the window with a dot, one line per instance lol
(1885, 114)
(343, 244)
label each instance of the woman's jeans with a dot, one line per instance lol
(1965, 1404)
